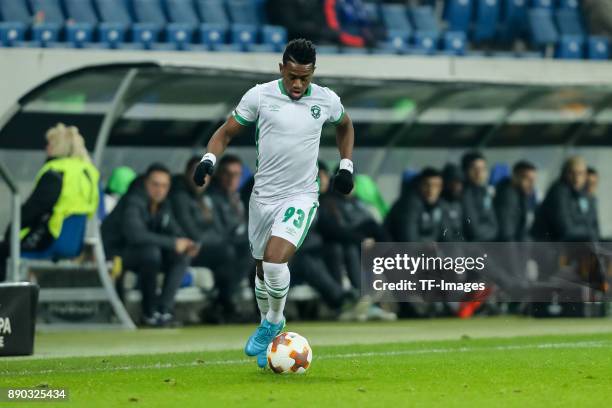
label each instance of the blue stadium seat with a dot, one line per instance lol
(454, 42)
(212, 12)
(183, 12)
(542, 28)
(50, 11)
(246, 16)
(425, 42)
(570, 47)
(598, 48)
(69, 243)
(542, 4)
(424, 20)
(14, 22)
(569, 22)
(487, 16)
(458, 14)
(151, 12)
(244, 35)
(116, 12)
(395, 18)
(82, 11)
(513, 20)
(568, 4)
(243, 12)
(274, 36)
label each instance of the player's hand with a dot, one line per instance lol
(205, 168)
(343, 180)
(182, 245)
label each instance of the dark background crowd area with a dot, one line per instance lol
(461, 202)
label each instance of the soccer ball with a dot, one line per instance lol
(289, 353)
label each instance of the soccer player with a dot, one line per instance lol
(288, 114)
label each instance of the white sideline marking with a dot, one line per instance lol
(157, 366)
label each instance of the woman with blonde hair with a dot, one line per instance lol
(66, 186)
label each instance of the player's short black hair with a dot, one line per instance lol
(523, 165)
(591, 170)
(469, 158)
(155, 167)
(300, 51)
(429, 172)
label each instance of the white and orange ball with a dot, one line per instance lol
(289, 353)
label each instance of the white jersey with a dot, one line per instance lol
(287, 136)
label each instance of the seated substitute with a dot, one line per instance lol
(143, 232)
(479, 219)
(66, 185)
(199, 218)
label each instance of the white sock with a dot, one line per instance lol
(261, 296)
(276, 278)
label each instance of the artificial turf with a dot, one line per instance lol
(570, 370)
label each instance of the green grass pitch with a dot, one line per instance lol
(440, 363)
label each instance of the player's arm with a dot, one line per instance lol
(215, 148)
(345, 139)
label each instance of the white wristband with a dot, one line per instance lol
(346, 164)
(211, 157)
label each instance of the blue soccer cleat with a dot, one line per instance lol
(262, 359)
(263, 336)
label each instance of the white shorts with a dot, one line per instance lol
(288, 219)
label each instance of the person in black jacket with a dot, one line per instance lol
(568, 213)
(512, 203)
(419, 216)
(479, 219)
(143, 232)
(230, 210)
(451, 194)
(195, 213)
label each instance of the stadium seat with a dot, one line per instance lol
(243, 35)
(454, 42)
(424, 43)
(50, 11)
(569, 22)
(82, 11)
(424, 20)
(243, 12)
(151, 12)
(183, 12)
(395, 19)
(568, 4)
(513, 20)
(14, 22)
(212, 12)
(274, 36)
(570, 47)
(116, 12)
(487, 16)
(458, 14)
(542, 4)
(542, 28)
(69, 243)
(598, 48)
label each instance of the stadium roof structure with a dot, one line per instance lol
(179, 104)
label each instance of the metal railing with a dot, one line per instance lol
(13, 260)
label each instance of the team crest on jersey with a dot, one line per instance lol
(315, 111)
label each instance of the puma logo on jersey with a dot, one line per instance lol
(315, 111)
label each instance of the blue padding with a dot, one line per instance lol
(213, 34)
(11, 33)
(458, 14)
(570, 47)
(69, 243)
(598, 48)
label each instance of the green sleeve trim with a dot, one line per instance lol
(337, 122)
(241, 120)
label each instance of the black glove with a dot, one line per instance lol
(204, 167)
(343, 182)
